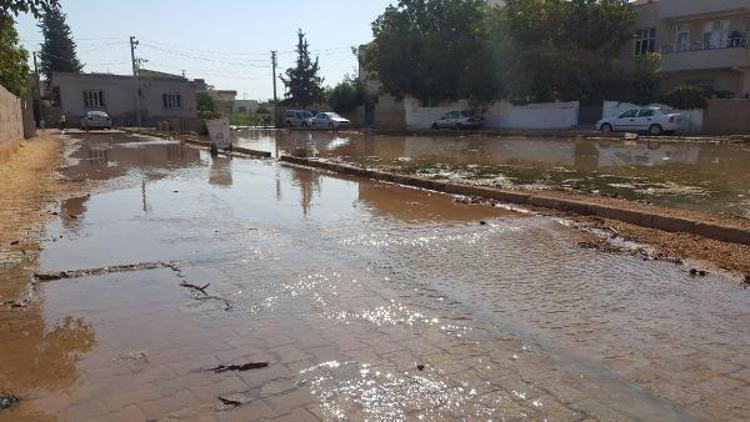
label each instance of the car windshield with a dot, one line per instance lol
(306, 114)
(468, 113)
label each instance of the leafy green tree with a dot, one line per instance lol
(14, 70)
(35, 7)
(435, 50)
(302, 82)
(644, 83)
(58, 50)
(566, 49)
(348, 95)
(206, 106)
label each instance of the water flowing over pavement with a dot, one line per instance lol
(695, 176)
(368, 301)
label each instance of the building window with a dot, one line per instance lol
(93, 99)
(682, 37)
(645, 41)
(172, 101)
(716, 34)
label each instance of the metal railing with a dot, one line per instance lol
(705, 45)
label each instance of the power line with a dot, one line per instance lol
(202, 58)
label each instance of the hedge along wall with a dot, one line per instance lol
(11, 119)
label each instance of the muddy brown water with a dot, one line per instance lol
(704, 177)
(369, 301)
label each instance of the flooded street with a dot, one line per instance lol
(696, 176)
(367, 300)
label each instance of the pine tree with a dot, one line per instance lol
(14, 70)
(59, 50)
(303, 85)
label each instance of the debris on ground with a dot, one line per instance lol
(483, 223)
(420, 367)
(194, 287)
(698, 273)
(239, 368)
(8, 400)
(135, 356)
(15, 242)
(236, 399)
(60, 275)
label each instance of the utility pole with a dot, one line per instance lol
(37, 94)
(133, 44)
(273, 66)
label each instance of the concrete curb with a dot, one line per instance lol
(187, 140)
(655, 220)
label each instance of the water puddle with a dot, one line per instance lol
(704, 177)
(367, 301)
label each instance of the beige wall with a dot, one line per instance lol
(727, 117)
(11, 120)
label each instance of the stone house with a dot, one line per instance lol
(162, 96)
(702, 43)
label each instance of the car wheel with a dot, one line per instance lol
(655, 130)
(459, 126)
(304, 124)
(288, 124)
(331, 126)
(606, 128)
(435, 126)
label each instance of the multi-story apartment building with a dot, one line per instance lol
(702, 42)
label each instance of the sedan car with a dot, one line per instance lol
(297, 118)
(466, 119)
(96, 120)
(329, 120)
(654, 120)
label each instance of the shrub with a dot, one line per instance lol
(686, 98)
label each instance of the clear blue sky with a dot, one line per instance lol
(226, 42)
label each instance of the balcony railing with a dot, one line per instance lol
(705, 45)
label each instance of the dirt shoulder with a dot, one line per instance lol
(30, 183)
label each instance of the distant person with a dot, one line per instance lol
(63, 123)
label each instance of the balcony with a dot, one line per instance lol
(679, 9)
(728, 54)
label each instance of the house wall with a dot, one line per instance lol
(389, 113)
(727, 117)
(11, 121)
(119, 97)
(502, 115)
(539, 116)
(694, 119)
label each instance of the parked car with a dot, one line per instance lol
(465, 119)
(654, 120)
(329, 120)
(297, 118)
(96, 120)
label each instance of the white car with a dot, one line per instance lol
(654, 120)
(466, 119)
(96, 120)
(329, 120)
(297, 118)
